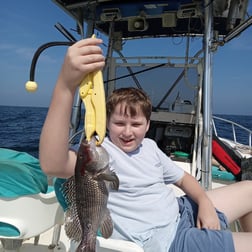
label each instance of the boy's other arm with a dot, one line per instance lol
(207, 217)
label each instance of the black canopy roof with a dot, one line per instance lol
(134, 19)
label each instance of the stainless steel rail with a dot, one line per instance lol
(234, 126)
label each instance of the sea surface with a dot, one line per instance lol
(20, 127)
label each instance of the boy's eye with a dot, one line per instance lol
(119, 123)
(136, 124)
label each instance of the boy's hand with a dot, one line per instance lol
(207, 216)
(84, 57)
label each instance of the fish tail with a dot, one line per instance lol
(87, 246)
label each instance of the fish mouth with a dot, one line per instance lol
(99, 161)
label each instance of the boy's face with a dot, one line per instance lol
(126, 131)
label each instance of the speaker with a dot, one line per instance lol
(137, 24)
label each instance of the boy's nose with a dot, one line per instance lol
(127, 130)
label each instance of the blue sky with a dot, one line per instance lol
(26, 25)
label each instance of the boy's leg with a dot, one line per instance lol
(242, 242)
(188, 238)
(235, 201)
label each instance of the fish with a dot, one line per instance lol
(86, 196)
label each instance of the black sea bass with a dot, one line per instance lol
(86, 194)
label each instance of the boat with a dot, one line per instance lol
(182, 120)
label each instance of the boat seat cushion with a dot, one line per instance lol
(20, 174)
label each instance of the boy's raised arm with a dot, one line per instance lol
(83, 57)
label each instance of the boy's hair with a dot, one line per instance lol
(133, 98)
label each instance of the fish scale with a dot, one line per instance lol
(94, 200)
(86, 195)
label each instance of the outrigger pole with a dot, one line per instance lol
(206, 178)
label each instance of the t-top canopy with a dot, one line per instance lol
(137, 19)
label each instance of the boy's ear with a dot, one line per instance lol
(148, 126)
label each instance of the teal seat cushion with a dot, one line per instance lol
(57, 188)
(222, 175)
(8, 230)
(20, 174)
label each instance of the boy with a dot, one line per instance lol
(144, 210)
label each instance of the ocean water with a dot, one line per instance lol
(20, 127)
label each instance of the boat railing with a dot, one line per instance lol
(222, 125)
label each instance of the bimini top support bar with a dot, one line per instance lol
(207, 97)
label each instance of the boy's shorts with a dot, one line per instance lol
(189, 238)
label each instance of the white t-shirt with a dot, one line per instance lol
(143, 203)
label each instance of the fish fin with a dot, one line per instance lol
(115, 182)
(68, 190)
(110, 177)
(72, 224)
(106, 226)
